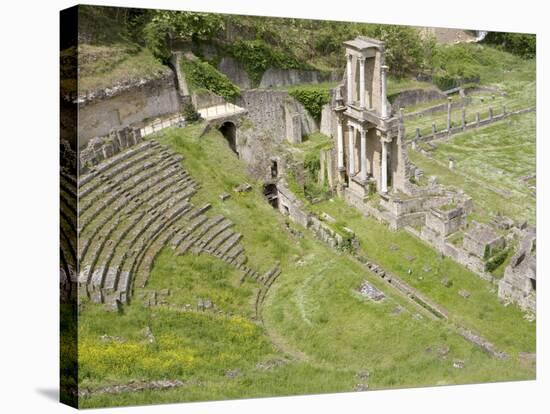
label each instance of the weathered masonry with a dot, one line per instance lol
(368, 135)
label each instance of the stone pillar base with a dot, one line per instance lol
(359, 187)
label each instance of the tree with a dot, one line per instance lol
(167, 26)
(405, 52)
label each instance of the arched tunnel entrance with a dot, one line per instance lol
(229, 131)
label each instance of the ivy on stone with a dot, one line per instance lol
(313, 99)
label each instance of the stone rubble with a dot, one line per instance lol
(369, 291)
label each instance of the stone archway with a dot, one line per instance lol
(229, 131)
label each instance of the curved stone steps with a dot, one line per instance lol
(123, 205)
(68, 236)
(69, 178)
(68, 183)
(152, 204)
(214, 232)
(231, 256)
(145, 265)
(229, 244)
(198, 233)
(128, 179)
(112, 161)
(67, 201)
(124, 171)
(219, 240)
(128, 165)
(154, 226)
(196, 220)
(70, 247)
(109, 254)
(118, 199)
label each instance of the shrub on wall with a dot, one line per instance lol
(257, 56)
(203, 76)
(312, 98)
(496, 260)
(190, 113)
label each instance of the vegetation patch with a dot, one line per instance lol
(489, 164)
(312, 98)
(257, 56)
(202, 76)
(102, 67)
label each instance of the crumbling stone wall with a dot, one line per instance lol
(120, 107)
(100, 148)
(481, 240)
(273, 117)
(412, 97)
(519, 282)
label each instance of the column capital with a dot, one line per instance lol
(384, 68)
(361, 59)
(385, 139)
(349, 56)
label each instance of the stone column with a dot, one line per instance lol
(340, 144)
(449, 104)
(384, 167)
(351, 142)
(383, 93)
(350, 79)
(362, 82)
(363, 175)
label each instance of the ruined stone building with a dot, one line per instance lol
(368, 135)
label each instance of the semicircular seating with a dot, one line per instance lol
(131, 206)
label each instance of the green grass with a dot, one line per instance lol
(513, 76)
(104, 66)
(314, 322)
(482, 311)
(489, 163)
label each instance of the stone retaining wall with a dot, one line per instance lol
(101, 148)
(145, 100)
(416, 96)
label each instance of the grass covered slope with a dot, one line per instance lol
(514, 77)
(104, 66)
(490, 164)
(315, 334)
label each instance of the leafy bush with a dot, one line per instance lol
(312, 164)
(522, 44)
(458, 65)
(406, 51)
(257, 56)
(166, 26)
(190, 113)
(311, 98)
(202, 75)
